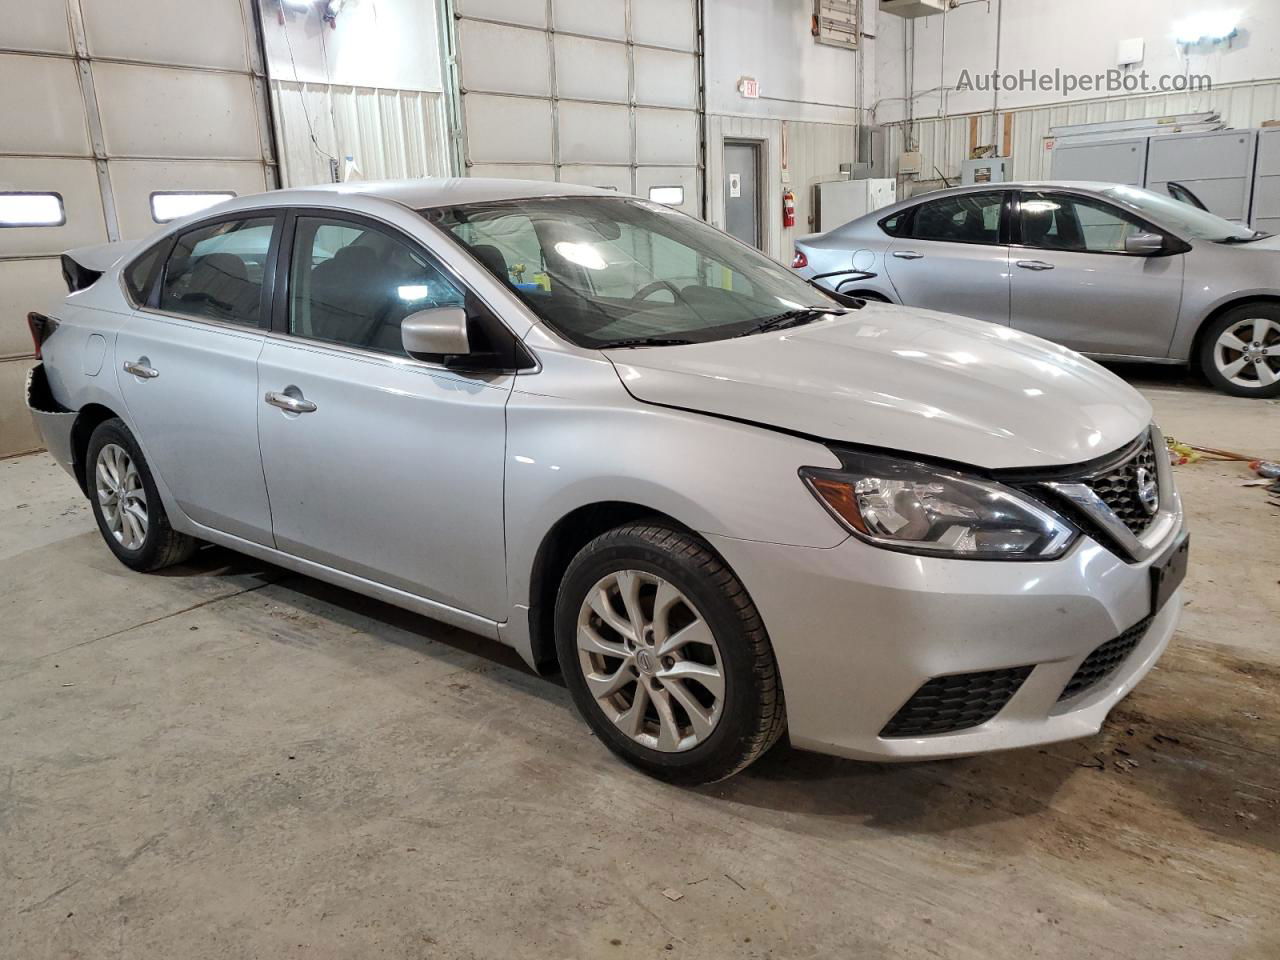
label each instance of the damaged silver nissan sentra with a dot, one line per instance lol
(629, 446)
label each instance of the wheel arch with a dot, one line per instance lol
(559, 546)
(87, 419)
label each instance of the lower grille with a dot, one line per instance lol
(1105, 660)
(957, 702)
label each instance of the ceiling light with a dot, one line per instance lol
(1210, 27)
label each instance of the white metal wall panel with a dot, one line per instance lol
(41, 110)
(211, 34)
(591, 70)
(515, 171)
(537, 82)
(593, 18)
(665, 78)
(31, 26)
(610, 178)
(123, 97)
(594, 133)
(686, 177)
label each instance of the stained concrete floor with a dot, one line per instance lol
(227, 760)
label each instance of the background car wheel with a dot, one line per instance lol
(1240, 351)
(665, 655)
(126, 504)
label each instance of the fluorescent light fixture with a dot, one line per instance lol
(1212, 26)
(413, 291)
(298, 6)
(169, 205)
(23, 209)
(583, 254)
(671, 196)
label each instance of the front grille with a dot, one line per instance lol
(957, 702)
(1105, 660)
(1118, 488)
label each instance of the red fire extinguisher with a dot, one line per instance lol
(788, 209)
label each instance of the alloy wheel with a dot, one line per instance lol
(1248, 353)
(121, 496)
(650, 661)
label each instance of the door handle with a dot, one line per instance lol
(139, 368)
(290, 404)
(908, 255)
(1035, 265)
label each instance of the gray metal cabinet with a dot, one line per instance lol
(1266, 190)
(1112, 161)
(1217, 167)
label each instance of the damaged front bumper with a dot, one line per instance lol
(54, 421)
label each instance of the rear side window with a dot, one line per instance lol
(216, 272)
(964, 218)
(138, 275)
(893, 225)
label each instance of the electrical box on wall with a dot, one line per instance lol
(913, 8)
(986, 170)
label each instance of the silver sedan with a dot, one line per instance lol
(1115, 272)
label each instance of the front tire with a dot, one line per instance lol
(126, 503)
(666, 656)
(1240, 351)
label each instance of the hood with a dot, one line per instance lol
(903, 379)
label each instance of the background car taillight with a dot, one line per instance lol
(800, 260)
(41, 328)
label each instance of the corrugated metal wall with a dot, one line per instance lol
(813, 153)
(945, 142)
(394, 133)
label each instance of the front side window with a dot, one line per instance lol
(962, 218)
(216, 272)
(600, 270)
(353, 284)
(1080, 224)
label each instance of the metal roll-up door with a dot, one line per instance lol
(599, 92)
(105, 105)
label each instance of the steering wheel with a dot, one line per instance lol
(649, 289)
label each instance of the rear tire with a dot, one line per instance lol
(127, 505)
(1239, 352)
(650, 615)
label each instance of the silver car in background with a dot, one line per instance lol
(1115, 272)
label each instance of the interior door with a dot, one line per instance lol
(742, 191)
(952, 256)
(187, 367)
(1073, 282)
(379, 465)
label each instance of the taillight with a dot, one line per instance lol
(41, 328)
(799, 261)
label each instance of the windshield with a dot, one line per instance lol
(607, 270)
(1198, 224)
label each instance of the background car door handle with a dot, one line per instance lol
(908, 255)
(139, 368)
(1035, 265)
(290, 404)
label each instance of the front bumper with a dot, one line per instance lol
(858, 630)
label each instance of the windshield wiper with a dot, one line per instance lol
(1257, 235)
(643, 342)
(792, 318)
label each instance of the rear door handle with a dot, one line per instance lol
(908, 255)
(290, 404)
(1035, 265)
(140, 368)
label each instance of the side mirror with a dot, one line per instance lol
(440, 331)
(1144, 244)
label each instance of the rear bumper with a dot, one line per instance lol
(858, 631)
(53, 421)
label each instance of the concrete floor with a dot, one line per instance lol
(229, 761)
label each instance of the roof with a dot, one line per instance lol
(441, 191)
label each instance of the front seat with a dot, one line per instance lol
(348, 296)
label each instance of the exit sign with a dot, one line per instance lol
(749, 87)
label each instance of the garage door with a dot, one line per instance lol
(598, 92)
(115, 115)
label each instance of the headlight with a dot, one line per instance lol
(918, 508)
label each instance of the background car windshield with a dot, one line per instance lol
(1200, 224)
(600, 269)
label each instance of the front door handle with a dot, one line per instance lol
(290, 404)
(140, 368)
(1035, 265)
(908, 255)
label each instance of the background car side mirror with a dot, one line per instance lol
(1144, 244)
(438, 332)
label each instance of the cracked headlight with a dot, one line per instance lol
(919, 508)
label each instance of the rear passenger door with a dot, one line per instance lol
(186, 362)
(952, 255)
